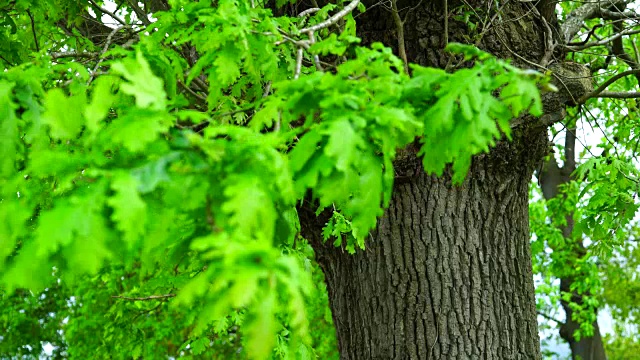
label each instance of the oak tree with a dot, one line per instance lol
(168, 168)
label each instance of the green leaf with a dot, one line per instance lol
(249, 207)
(142, 83)
(199, 346)
(262, 330)
(138, 128)
(343, 144)
(8, 130)
(64, 114)
(58, 227)
(102, 99)
(129, 209)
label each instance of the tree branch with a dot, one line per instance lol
(147, 298)
(33, 30)
(90, 28)
(73, 54)
(105, 11)
(5, 60)
(139, 12)
(603, 41)
(309, 12)
(618, 50)
(549, 317)
(589, 10)
(104, 50)
(618, 15)
(332, 20)
(400, 32)
(618, 95)
(598, 91)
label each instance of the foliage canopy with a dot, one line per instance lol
(160, 154)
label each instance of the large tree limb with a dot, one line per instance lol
(600, 90)
(618, 95)
(589, 10)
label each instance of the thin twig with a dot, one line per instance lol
(446, 22)
(147, 311)
(400, 32)
(151, 297)
(548, 317)
(33, 30)
(603, 41)
(267, 89)
(548, 37)
(486, 26)
(406, 15)
(104, 50)
(192, 92)
(5, 60)
(575, 19)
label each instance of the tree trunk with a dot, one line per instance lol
(587, 348)
(447, 273)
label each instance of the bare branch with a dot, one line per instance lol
(151, 297)
(5, 60)
(618, 95)
(619, 51)
(603, 41)
(73, 54)
(309, 12)
(105, 11)
(598, 91)
(33, 30)
(104, 50)
(400, 32)
(549, 317)
(299, 54)
(202, 99)
(139, 12)
(618, 15)
(332, 20)
(548, 38)
(316, 58)
(589, 10)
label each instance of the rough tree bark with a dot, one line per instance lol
(447, 274)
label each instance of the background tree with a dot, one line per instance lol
(172, 166)
(581, 264)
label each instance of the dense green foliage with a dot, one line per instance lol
(150, 172)
(112, 191)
